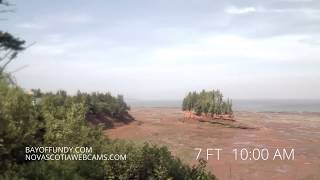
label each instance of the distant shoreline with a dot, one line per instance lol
(236, 111)
(298, 106)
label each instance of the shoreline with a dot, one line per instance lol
(235, 111)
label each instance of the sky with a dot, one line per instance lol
(161, 49)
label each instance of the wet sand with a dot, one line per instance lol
(300, 131)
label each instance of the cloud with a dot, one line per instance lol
(237, 10)
(146, 50)
(76, 19)
(307, 12)
(297, 0)
(30, 25)
(312, 40)
(230, 48)
(48, 21)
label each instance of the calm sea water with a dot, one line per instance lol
(247, 105)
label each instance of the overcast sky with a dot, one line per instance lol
(161, 49)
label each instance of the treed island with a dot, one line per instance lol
(207, 105)
(57, 119)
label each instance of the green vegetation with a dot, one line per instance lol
(60, 120)
(207, 102)
(97, 103)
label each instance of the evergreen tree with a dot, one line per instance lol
(207, 102)
(18, 124)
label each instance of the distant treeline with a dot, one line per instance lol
(96, 102)
(207, 102)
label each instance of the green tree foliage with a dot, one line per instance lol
(103, 103)
(96, 103)
(18, 123)
(10, 46)
(207, 102)
(60, 120)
